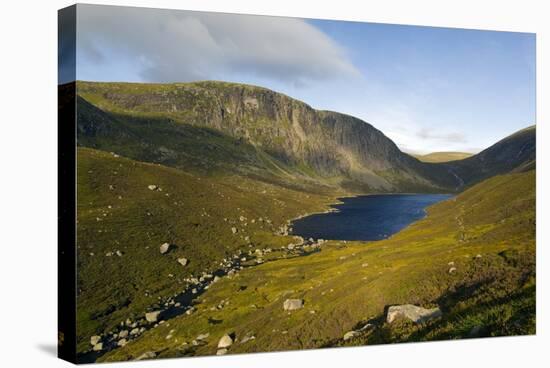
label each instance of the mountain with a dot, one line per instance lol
(442, 156)
(218, 126)
(514, 153)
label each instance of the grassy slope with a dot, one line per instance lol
(443, 156)
(116, 211)
(494, 292)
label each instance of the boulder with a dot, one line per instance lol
(183, 261)
(95, 339)
(225, 342)
(164, 248)
(152, 316)
(293, 304)
(412, 312)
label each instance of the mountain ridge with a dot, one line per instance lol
(265, 132)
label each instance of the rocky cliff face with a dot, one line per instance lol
(321, 143)
(253, 130)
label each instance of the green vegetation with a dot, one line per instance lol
(347, 284)
(117, 211)
(217, 170)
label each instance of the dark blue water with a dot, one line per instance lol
(372, 217)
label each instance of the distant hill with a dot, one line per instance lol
(443, 156)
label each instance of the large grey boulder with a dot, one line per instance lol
(293, 304)
(412, 312)
(225, 342)
(152, 316)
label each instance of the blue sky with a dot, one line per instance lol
(428, 89)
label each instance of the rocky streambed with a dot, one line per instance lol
(183, 303)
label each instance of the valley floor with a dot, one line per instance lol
(473, 257)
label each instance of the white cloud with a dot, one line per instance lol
(171, 45)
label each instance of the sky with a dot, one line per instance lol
(428, 89)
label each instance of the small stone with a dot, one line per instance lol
(225, 342)
(123, 333)
(122, 342)
(152, 316)
(234, 230)
(247, 339)
(350, 334)
(147, 355)
(183, 261)
(202, 336)
(164, 248)
(293, 304)
(135, 331)
(94, 340)
(98, 346)
(152, 187)
(452, 269)
(221, 352)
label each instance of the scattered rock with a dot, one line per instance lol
(183, 261)
(247, 339)
(123, 333)
(234, 230)
(225, 342)
(452, 269)
(122, 342)
(293, 304)
(152, 187)
(350, 334)
(202, 336)
(164, 248)
(94, 340)
(221, 352)
(478, 256)
(412, 312)
(147, 355)
(152, 316)
(98, 346)
(135, 331)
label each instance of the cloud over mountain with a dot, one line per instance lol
(168, 45)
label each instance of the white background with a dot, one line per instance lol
(28, 181)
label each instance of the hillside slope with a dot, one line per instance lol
(517, 152)
(473, 256)
(443, 156)
(215, 124)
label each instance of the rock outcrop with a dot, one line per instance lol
(412, 312)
